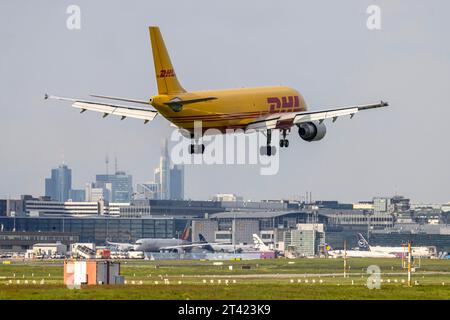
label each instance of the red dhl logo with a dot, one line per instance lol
(167, 73)
(285, 104)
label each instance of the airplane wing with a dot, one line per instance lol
(120, 245)
(288, 119)
(107, 109)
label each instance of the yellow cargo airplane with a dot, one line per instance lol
(261, 109)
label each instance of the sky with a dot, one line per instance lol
(322, 48)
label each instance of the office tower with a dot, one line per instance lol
(177, 182)
(93, 194)
(162, 174)
(58, 186)
(117, 187)
(77, 195)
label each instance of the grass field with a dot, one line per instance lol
(265, 279)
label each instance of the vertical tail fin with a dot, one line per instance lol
(203, 240)
(362, 243)
(259, 244)
(165, 73)
(186, 231)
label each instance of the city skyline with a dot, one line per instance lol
(301, 196)
(168, 183)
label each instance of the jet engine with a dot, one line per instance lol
(312, 131)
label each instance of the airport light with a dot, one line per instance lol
(345, 258)
(409, 264)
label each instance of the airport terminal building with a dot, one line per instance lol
(218, 221)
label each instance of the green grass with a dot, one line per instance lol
(266, 279)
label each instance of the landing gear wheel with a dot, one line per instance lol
(268, 151)
(196, 149)
(284, 143)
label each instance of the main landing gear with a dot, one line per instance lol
(195, 148)
(269, 150)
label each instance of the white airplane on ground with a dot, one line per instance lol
(258, 245)
(396, 251)
(159, 244)
(356, 253)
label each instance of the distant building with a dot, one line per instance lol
(177, 183)
(168, 181)
(116, 187)
(363, 205)
(162, 174)
(396, 204)
(77, 195)
(93, 194)
(400, 204)
(25, 239)
(58, 186)
(38, 208)
(332, 204)
(381, 205)
(3, 207)
(305, 240)
(95, 229)
(227, 197)
(146, 191)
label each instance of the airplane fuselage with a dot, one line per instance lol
(360, 254)
(230, 108)
(402, 251)
(155, 245)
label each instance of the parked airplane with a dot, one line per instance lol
(356, 253)
(258, 245)
(160, 244)
(397, 251)
(154, 244)
(247, 109)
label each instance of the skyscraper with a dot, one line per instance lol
(58, 186)
(177, 182)
(168, 182)
(162, 173)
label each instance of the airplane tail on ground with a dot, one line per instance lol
(362, 243)
(186, 231)
(328, 247)
(259, 244)
(165, 73)
(207, 246)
